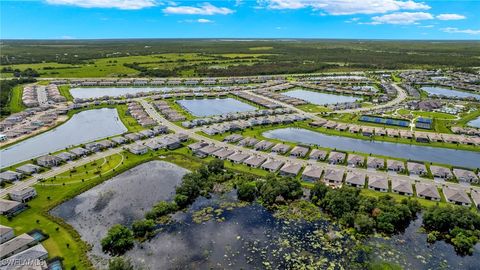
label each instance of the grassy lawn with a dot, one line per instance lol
(129, 122)
(65, 91)
(312, 108)
(397, 197)
(15, 103)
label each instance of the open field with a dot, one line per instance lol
(100, 58)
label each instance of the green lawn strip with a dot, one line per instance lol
(425, 203)
(15, 102)
(130, 123)
(468, 117)
(65, 91)
(313, 108)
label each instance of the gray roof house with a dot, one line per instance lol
(378, 183)
(375, 163)
(395, 165)
(402, 186)
(355, 160)
(8, 207)
(79, 151)
(475, 193)
(32, 254)
(254, 161)
(416, 168)
(318, 154)
(233, 138)
(223, 153)
(6, 233)
(48, 161)
(336, 157)
(456, 196)
(441, 172)
(138, 149)
(238, 157)
(355, 179)
(16, 245)
(248, 142)
(427, 191)
(197, 145)
(263, 145)
(290, 169)
(299, 151)
(281, 148)
(28, 169)
(23, 195)
(312, 173)
(333, 177)
(465, 175)
(10, 176)
(207, 150)
(272, 165)
(65, 156)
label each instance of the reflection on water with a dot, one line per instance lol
(399, 150)
(319, 98)
(436, 90)
(83, 127)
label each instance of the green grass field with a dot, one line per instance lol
(15, 103)
(65, 91)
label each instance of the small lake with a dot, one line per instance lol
(120, 200)
(475, 122)
(319, 98)
(98, 92)
(414, 152)
(83, 127)
(219, 106)
(436, 90)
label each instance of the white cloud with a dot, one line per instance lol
(120, 4)
(204, 21)
(346, 7)
(204, 9)
(402, 18)
(454, 30)
(427, 26)
(450, 17)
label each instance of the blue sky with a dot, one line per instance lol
(349, 19)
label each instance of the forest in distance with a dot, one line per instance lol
(214, 57)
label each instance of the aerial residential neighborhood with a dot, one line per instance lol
(326, 135)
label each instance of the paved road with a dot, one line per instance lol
(161, 120)
(58, 170)
(42, 96)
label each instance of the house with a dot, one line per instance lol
(207, 150)
(416, 168)
(272, 165)
(281, 148)
(233, 138)
(146, 133)
(402, 186)
(23, 195)
(16, 245)
(138, 149)
(290, 169)
(119, 140)
(106, 144)
(317, 154)
(48, 161)
(10, 176)
(333, 177)
(355, 160)
(395, 165)
(65, 156)
(254, 161)
(28, 169)
(299, 151)
(223, 153)
(6, 233)
(441, 172)
(378, 183)
(238, 157)
(375, 163)
(336, 157)
(475, 194)
(367, 131)
(355, 179)
(169, 142)
(195, 146)
(248, 142)
(427, 191)
(153, 144)
(466, 176)
(79, 151)
(132, 137)
(456, 196)
(263, 145)
(36, 254)
(421, 137)
(93, 147)
(10, 208)
(312, 173)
